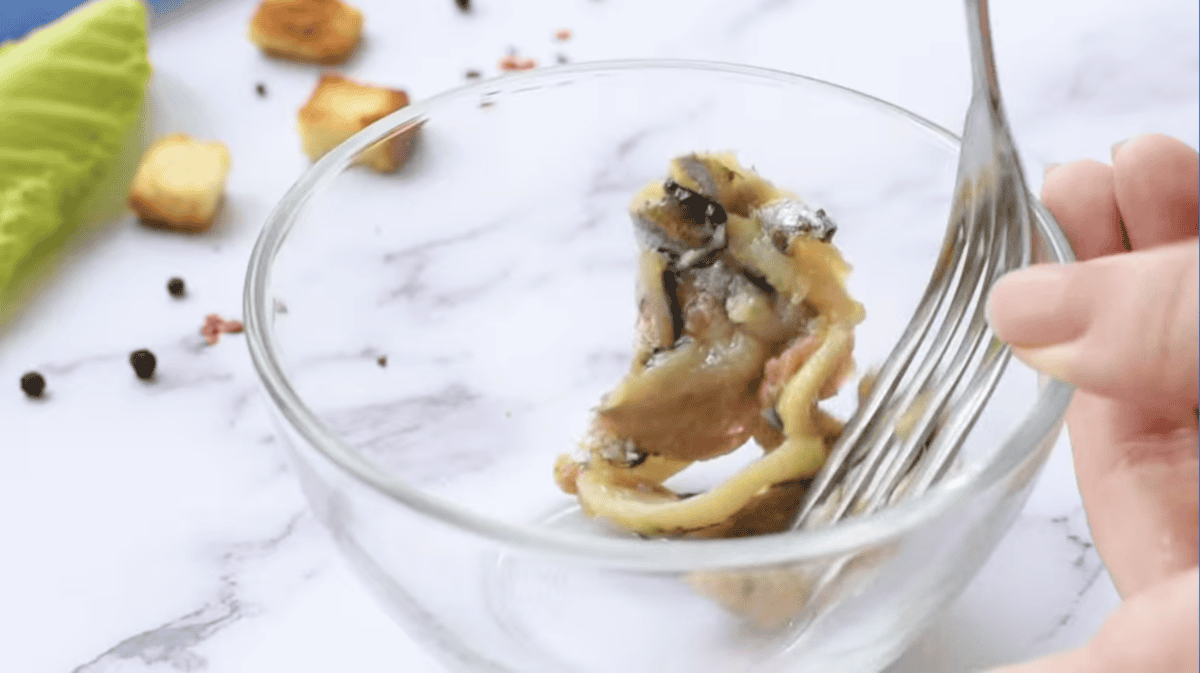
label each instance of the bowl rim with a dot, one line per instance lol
(1019, 450)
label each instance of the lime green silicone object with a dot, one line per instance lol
(69, 94)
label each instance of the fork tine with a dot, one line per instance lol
(984, 248)
(949, 261)
(933, 384)
(969, 402)
(880, 460)
(924, 449)
(988, 253)
(871, 432)
(967, 397)
(990, 233)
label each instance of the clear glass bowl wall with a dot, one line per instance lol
(495, 274)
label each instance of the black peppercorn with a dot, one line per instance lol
(261, 89)
(382, 360)
(143, 362)
(464, 5)
(33, 384)
(175, 287)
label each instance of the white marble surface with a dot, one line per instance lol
(159, 528)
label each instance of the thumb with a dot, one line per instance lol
(1122, 326)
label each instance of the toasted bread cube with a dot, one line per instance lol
(313, 31)
(514, 62)
(180, 182)
(339, 108)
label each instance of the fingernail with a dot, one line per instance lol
(1053, 361)
(1117, 146)
(1028, 308)
(1049, 167)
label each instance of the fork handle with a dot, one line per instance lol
(983, 64)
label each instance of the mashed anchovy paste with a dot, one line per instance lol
(744, 325)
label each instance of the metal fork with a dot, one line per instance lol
(947, 362)
(882, 456)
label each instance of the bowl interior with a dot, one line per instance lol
(494, 271)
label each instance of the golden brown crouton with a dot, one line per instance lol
(339, 108)
(514, 62)
(315, 31)
(180, 182)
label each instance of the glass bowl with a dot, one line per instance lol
(431, 340)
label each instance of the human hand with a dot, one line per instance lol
(1121, 325)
